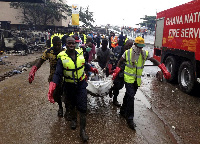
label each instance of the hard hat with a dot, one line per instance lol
(139, 41)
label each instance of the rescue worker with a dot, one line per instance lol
(114, 41)
(125, 39)
(71, 65)
(51, 55)
(118, 83)
(134, 59)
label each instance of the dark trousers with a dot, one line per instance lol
(76, 95)
(118, 84)
(128, 101)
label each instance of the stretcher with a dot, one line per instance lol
(98, 84)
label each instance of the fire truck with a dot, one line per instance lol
(177, 44)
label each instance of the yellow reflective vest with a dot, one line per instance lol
(134, 72)
(85, 38)
(73, 73)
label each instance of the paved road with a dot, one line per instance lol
(27, 117)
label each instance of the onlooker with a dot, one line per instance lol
(98, 40)
(103, 54)
(93, 51)
(121, 39)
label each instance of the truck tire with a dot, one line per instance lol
(171, 65)
(186, 77)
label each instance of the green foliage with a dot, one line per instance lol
(86, 17)
(42, 14)
(149, 21)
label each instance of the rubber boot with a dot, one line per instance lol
(83, 134)
(74, 119)
(115, 102)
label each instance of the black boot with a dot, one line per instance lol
(115, 102)
(74, 119)
(110, 93)
(83, 134)
(122, 112)
(60, 110)
(73, 124)
(131, 124)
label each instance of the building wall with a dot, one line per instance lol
(9, 14)
(13, 15)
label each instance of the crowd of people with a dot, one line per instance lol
(70, 58)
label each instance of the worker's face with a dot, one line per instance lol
(57, 45)
(70, 44)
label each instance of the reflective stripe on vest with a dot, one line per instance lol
(134, 72)
(73, 73)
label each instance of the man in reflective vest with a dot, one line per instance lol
(114, 41)
(134, 60)
(71, 65)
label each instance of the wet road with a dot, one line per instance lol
(163, 114)
(27, 116)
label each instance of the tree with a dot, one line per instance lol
(42, 14)
(149, 21)
(86, 17)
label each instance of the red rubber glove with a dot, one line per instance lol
(166, 74)
(94, 70)
(116, 72)
(52, 87)
(32, 74)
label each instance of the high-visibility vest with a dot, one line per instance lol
(85, 37)
(73, 73)
(114, 42)
(134, 72)
(71, 34)
(52, 39)
(125, 41)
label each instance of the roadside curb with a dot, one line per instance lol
(170, 132)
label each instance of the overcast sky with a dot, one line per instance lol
(125, 12)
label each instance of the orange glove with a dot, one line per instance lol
(52, 87)
(116, 72)
(166, 74)
(32, 74)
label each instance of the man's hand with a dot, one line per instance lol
(166, 74)
(94, 70)
(116, 72)
(52, 87)
(32, 74)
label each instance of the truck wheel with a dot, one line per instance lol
(186, 77)
(171, 66)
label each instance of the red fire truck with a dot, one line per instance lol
(177, 43)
